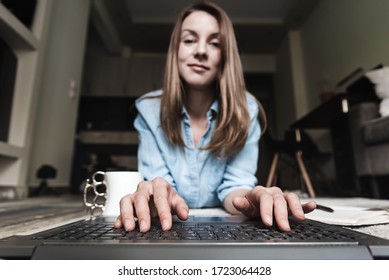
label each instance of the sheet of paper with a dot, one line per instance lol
(350, 216)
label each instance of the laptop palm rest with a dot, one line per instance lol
(198, 251)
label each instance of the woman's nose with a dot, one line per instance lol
(201, 49)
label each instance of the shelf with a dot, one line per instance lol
(106, 113)
(109, 137)
(10, 151)
(112, 149)
(111, 143)
(17, 35)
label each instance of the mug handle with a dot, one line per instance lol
(94, 183)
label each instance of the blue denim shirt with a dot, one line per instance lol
(202, 179)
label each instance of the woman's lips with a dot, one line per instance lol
(198, 67)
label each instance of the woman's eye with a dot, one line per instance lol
(189, 41)
(215, 44)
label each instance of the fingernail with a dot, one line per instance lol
(165, 225)
(299, 212)
(142, 226)
(286, 226)
(127, 224)
(268, 220)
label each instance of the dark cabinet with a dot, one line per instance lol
(106, 138)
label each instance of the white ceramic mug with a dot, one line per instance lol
(117, 185)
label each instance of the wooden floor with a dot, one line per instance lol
(32, 214)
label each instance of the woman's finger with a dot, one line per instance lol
(161, 202)
(141, 199)
(281, 212)
(266, 204)
(309, 206)
(127, 219)
(295, 206)
(180, 207)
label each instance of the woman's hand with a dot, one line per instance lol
(155, 198)
(267, 203)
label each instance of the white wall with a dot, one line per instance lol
(341, 36)
(54, 129)
(284, 95)
(338, 37)
(258, 63)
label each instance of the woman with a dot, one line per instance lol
(199, 135)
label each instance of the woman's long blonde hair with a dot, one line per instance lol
(233, 119)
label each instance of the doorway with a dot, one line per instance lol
(261, 85)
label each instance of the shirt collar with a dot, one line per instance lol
(212, 112)
(213, 109)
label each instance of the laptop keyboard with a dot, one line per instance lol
(301, 232)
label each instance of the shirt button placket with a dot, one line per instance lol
(191, 160)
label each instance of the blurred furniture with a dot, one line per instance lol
(333, 115)
(294, 146)
(370, 143)
(106, 137)
(44, 173)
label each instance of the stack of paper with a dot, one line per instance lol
(350, 216)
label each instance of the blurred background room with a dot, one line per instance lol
(70, 71)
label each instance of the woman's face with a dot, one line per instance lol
(199, 54)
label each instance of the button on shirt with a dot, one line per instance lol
(199, 177)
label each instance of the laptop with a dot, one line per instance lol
(198, 238)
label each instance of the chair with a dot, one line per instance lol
(296, 144)
(370, 143)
